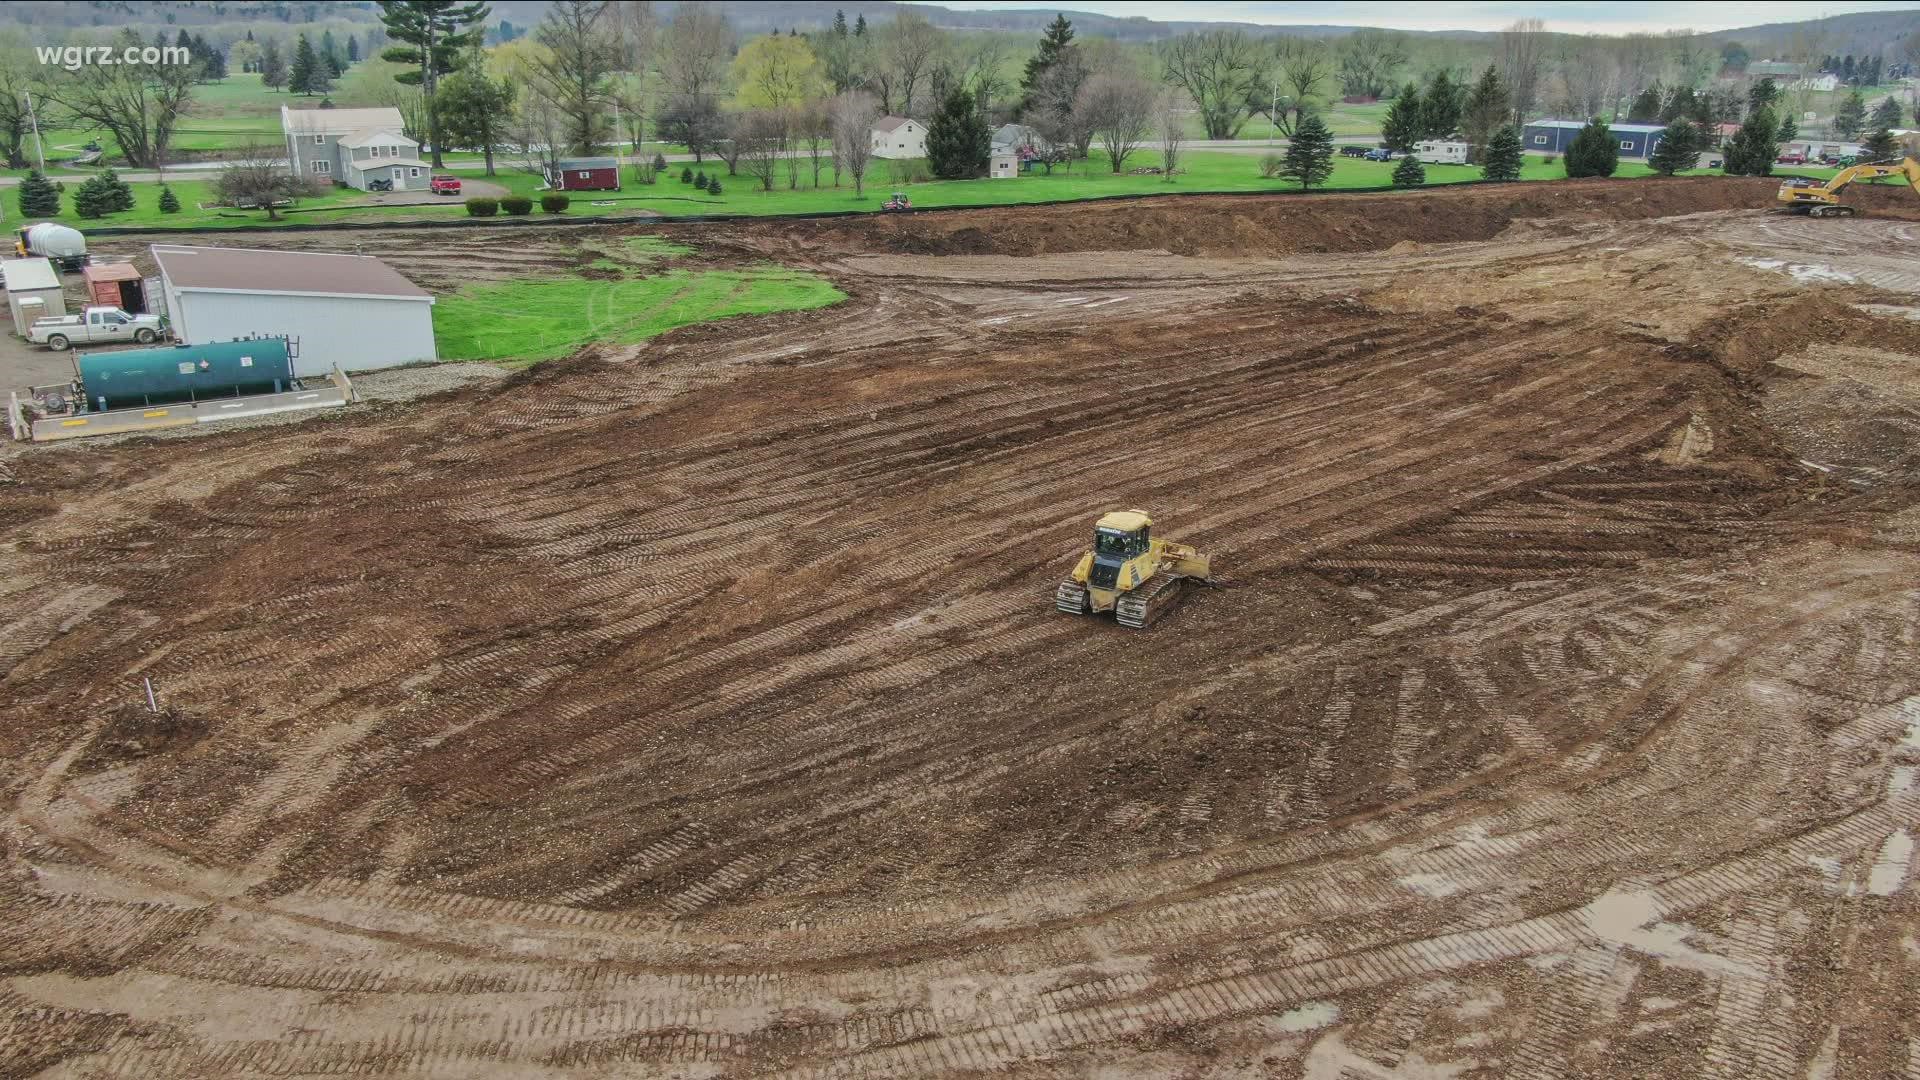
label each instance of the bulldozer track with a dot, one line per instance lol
(695, 707)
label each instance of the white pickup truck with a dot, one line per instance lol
(92, 327)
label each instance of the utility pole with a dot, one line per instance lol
(1273, 121)
(39, 148)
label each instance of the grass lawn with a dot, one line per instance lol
(524, 322)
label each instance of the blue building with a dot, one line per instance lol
(1554, 136)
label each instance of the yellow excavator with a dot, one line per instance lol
(1803, 196)
(1129, 572)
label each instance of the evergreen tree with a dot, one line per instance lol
(328, 47)
(38, 197)
(1504, 155)
(1763, 94)
(93, 199)
(273, 66)
(353, 50)
(1310, 153)
(1409, 173)
(713, 186)
(1441, 106)
(659, 164)
(431, 37)
(686, 174)
(700, 181)
(958, 139)
(306, 68)
(1057, 37)
(1401, 129)
(1882, 145)
(169, 202)
(1485, 112)
(1681, 104)
(1851, 117)
(1752, 149)
(1593, 152)
(1647, 107)
(118, 195)
(1886, 114)
(860, 26)
(1789, 130)
(839, 28)
(1678, 148)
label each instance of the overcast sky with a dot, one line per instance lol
(1603, 18)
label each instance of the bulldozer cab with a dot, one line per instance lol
(1122, 534)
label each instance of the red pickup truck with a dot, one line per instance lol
(444, 185)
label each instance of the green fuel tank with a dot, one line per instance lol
(137, 378)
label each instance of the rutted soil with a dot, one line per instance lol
(699, 707)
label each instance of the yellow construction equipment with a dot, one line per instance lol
(1129, 572)
(1803, 196)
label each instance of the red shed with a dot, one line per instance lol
(115, 285)
(586, 174)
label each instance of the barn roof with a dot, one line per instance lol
(1631, 129)
(306, 273)
(588, 163)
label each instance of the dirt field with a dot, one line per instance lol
(699, 708)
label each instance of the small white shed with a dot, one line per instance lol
(353, 312)
(33, 292)
(1004, 166)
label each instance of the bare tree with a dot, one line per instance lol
(537, 136)
(1586, 77)
(1640, 58)
(574, 74)
(140, 104)
(852, 115)
(908, 46)
(1170, 116)
(1064, 131)
(1222, 71)
(812, 124)
(694, 51)
(986, 65)
(1305, 70)
(1119, 109)
(257, 177)
(759, 135)
(1695, 59)
(1522, 60)
(1370, 62)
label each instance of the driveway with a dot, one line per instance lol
(469, 188)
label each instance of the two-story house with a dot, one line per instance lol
(353, 147)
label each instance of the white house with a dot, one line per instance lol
(353, 147)
(350, 311)
(899, 137)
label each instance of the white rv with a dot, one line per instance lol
(1441, 153)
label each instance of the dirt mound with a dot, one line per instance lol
(1281, 224)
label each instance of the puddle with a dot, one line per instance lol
(1430, 885)
(1890, 869)
(1314, 1014)
(1802, 272)
(1632, 919)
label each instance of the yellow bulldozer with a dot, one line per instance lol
(1129, 572)
(1804, 196)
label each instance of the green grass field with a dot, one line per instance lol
(523, 322)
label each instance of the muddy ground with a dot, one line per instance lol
(699, 708)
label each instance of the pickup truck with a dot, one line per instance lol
(444, 185)
(1378, 154)
(95, 325)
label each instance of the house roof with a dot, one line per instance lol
(339, 121)
(588, 163)
(371, 136)
(1774, 67)
(370, 164)
(26, 275)
(305, 273)
(891, 123)
(1631, 129)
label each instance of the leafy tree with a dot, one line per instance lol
(474, 110)
(353, 50)
(1886, 114)
(1401, 128)
(432, 36)
(1593, 152)
(1409, 173)
(1310, 153)
(1648, 107)
(1485, 112)
(1504, 155)
(1057, 37)
(1851, 117)
(1678, 148)
(775, 72)
(958, 139)
(38, 197)
(169, 202)
(1752, 149)
(273, 66)
(1789, 130)
(1734, 56)
(138, 104)
(1441, 107)
(1880, 146)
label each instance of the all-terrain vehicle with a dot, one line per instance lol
(898, 202)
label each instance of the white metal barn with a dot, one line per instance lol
(350, 311)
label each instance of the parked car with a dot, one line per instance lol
(444, 185)
(1353, 151)
(1790, 159)
(1381, 154)
(94, 325)
(1717, 163)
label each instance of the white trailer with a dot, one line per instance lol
(1441, 153)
